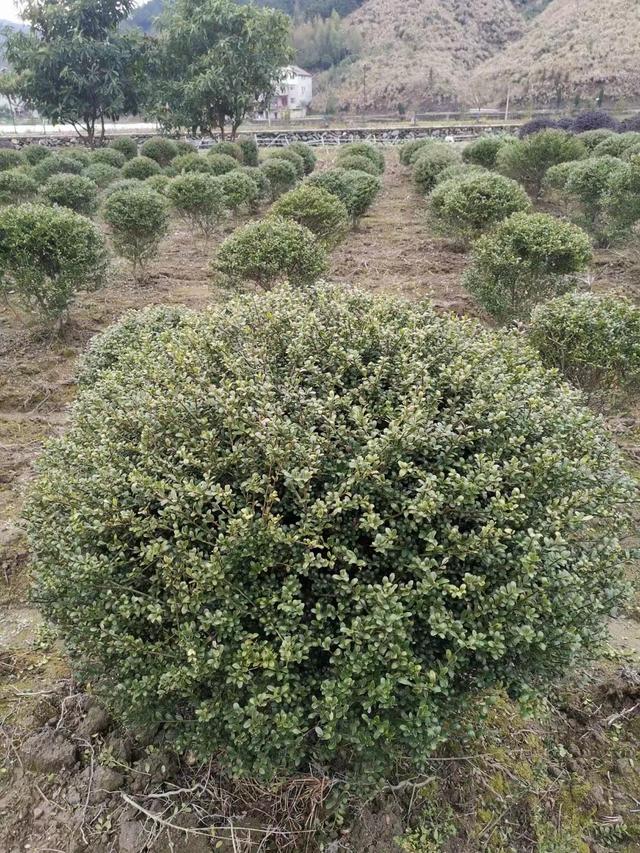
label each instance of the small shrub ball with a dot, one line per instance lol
(311, 529)
(125, 145)
(73, 191)
(140, 168)
(318, 210)
(160, 149)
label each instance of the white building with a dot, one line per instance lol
(292, 97)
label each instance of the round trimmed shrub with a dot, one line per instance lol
(122, 184)
(102, 174)
(16, 186)
(363, 190)
(220, 164)
(109, 156)
(364, 149)
(133, 329)
(186, 163)
(592, 138)
(336, 182)
(428, 164)
(138, 220)
(56, 164)
(409, 150)
(459, 171)
(621, 203)
(230, 149)
(281, 174)
(34, 153)
(160, 149)
(238, 189)
(10, 158)
(587, 185)
(263, 187)
(249, 148)
(199, 199)
(126, 146)
(290, 156)
(357, 161)
(527, 160)
(594, 120)
(556, 177)
(371, 516)
(81, 154)
(593, 340)
(318, 210)
(469, 206)
(72, 191)
(616, 145)
(140, 168)
(159, 183)
(46, 255)
(484, 151)
(526, 259)
(307, 153)
(184, 147)
(270, 251)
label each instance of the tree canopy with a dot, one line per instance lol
(216, 61)
(75, 66)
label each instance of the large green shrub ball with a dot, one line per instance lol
(35, 153)
(257, 175)
(140, 168)
(56, 164)
(587, 185)
(138, 220)
(469, 206)
(616, 145)
(80, 153)
(102, 174)
(199, 199)
(621, 202)
(73, 191)
(281, 174)
(160, 149)
(527, 160)
(46, 255)
(194, 162)
(126, 146)
(159, 183)
(318, 210)
(270, 251)
(307, 153)
(338, 183)
(409, 150)
(593, 340)
(313, 528)
(363, 190)
(109, 156)
(527, 258)
(430, 161)
(484, 151)
(357, 161)
(220, 164)
(16, 186)
(290, 156)
(230, 149)
(592, 138)
(364, 149)
(239, 190)
(10, 158)
(460, 170)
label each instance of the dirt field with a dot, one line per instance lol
(392, 251)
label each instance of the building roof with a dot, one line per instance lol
(295, 69)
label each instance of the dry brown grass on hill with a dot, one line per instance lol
(573, 48)
(418, 52)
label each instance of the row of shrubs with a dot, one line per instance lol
(291, 243)
(520, 258)
(585, 121)
(47, 253)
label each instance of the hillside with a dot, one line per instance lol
(571, 49)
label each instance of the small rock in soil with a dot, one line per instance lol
(105, 781)
(46, 752)
(96, 721)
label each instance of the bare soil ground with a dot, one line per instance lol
(72, 781)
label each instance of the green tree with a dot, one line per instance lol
(74, 66)
(217, 60)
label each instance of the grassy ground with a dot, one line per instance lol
(562, 780)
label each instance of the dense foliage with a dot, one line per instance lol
(46, 255)
(593, 340)
(317, 209)
(358, 162)
(484, 151)
(372, 515)
(220, 164)
(140, 168)
(10, 159)
(307, 153)
(622, 200)
(249, 148)
(101, 174)
(281, 174)
(527, 258)
(239, 190)
(467, 206)
(126, 146)
(527, 160)
(587, 185)
(73, 191)
(55, 164)
(160, 149)
(364, 149)
(138, 220)
(106, 155)
(271, 251)
(296, 160)
(594, 120)
(16, 186)
(199, 199)
(429, 162)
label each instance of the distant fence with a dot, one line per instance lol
(312, 136)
